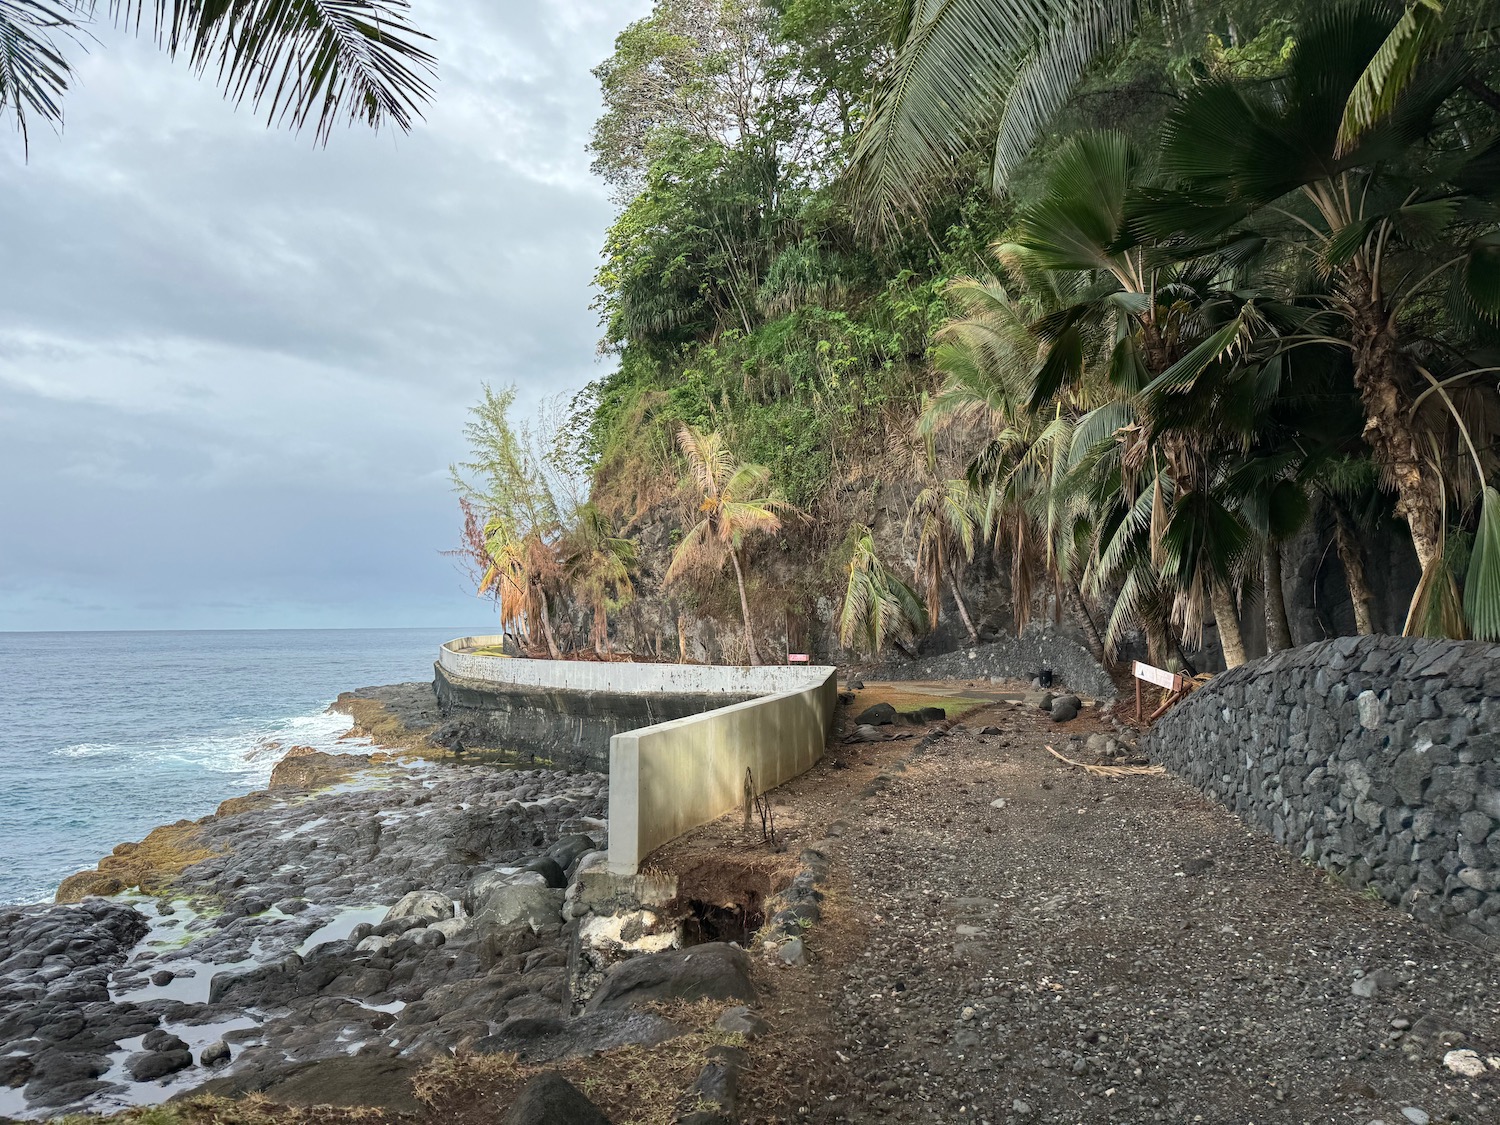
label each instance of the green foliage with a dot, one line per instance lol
(878, 607)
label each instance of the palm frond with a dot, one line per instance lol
(318, 62)
(1482, 582)
(1051, 72)
(952, 69)
(33, 71)
(1416, 36)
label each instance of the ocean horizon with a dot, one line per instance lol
(106, 734)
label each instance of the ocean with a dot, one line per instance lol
(104, 736)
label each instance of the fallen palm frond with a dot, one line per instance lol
(1110, 771)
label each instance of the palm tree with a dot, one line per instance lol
(521, 572)
(304, 62)
(597, 565)
(944, 517)
(1384, 227)
(735, 500)
(878, 607)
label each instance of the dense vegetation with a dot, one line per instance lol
(1121, 290)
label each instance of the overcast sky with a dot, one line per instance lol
(234, 367)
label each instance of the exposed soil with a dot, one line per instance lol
(1096, 950)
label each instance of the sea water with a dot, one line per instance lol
(104, 736)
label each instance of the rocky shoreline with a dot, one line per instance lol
(364, 914)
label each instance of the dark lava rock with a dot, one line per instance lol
(990, 731)
(550, 1099)
(163, 977)
(162, 1041)
(214, 1054)
(549, 869)
(158, 1064)
(1046, 701)
(14, 1070)
(717, 1086)
(1065, 708)
(715, 971)
(570, 849)
(545, 1039)
(925, 715)
(882, 714)
(358, 1080)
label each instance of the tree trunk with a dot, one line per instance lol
(1354, 572)
(682, 645)
(739, 576)
(547, 629)
(963, 610)
(1090, 630)
(1278, 628)
(1228, 621)
(1380, 370)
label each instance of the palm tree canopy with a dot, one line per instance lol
(735, 500)
(303, 62)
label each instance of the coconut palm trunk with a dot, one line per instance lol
(963, 610)
(739, 577)
(1086, 619)
(1228, 620)
(1354, 572)
(1278, 628)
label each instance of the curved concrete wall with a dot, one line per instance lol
(664, 777)
(1376, 757)
(620, 676)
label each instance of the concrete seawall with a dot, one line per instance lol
(676, 739)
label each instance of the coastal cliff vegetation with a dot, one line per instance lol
(1103, 312)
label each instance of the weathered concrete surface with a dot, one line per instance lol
(564, 712)
(1376, 757)
(668, 778)
(564, 727)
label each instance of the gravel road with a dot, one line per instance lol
(1026, 943)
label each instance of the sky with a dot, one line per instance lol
(235, 366)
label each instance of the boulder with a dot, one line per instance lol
(427, 905)
(550, 870)
(158, 1064)
(715, 971)
(214, 1054)
(547, 1039)
(740, 1020)
(357, 1080)
(923, 715)
(306, 768)
(1065, 708)
(550, 1099)
(85, 884)
(1045, 703)
(509, 904)
(882, 714)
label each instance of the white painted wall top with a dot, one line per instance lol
(622, 677)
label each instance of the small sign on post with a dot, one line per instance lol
(1160, 677)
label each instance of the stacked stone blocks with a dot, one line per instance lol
(1376, 757)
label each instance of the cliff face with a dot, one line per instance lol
(796, 582)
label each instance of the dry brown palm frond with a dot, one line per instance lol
(1113, 772)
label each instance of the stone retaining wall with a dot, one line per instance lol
(1012, 658)
(1375, 757)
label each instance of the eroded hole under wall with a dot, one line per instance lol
(725, 900)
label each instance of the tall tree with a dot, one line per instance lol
(1387, 224)
(735, 500)
(304, 62)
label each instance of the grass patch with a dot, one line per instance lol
(904, 699)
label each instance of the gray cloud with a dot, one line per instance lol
(234, 367)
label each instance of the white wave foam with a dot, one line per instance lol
(87, 749)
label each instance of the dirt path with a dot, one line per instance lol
(1096, 951)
